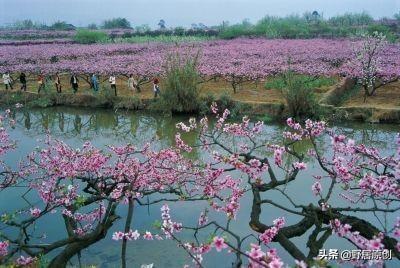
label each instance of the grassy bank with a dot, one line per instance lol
(267, 111)
(252, 98)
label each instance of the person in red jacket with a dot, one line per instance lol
(40, 81)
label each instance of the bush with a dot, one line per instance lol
(351, 19)
(24, 25)
(43, 102)
(272, 27)
(385, 30)
(142, 29)
(306, 26)
(121, 23)
(206, 102)
(181, 90)
(242, 29)
(90, 37)
(348, 94)
(277, 82)
(27, 25)
(62, 26)
(92, 26)
(299, 96)
(179, 31)
(224, 101)
(160, 38)
(397, 16)
(134, 103)
(288, 27)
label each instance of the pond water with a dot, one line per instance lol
(102, 127)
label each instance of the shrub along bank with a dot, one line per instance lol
(262, 111)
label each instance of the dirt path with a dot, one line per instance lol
(253, 93)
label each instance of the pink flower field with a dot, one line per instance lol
(250, 58)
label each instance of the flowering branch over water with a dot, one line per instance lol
(85, 186)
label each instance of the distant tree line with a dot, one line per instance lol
(31, 25)
(309, 25)
(313, 25)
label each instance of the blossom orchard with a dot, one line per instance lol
(235, 61)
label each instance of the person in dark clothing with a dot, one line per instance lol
(22, 80)
(40, 82)
(95, 83)
(74, 83)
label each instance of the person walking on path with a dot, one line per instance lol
(22, 80)
(132, 83)
(40, 81)
(7, 80)
(112, 81)
(57, 82)
(156, 87)
(95, 83)
(74, 83)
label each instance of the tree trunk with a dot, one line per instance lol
(61, 260)
(127, 227)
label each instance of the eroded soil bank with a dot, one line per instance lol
(366, 113)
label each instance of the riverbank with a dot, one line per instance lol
(274, 108)
(345, 101)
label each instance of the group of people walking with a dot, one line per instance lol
(8, 81)
(74, 82)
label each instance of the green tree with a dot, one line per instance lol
(84, 36)
(92, 26)
(62, 25)
(116, 23)
(397, 16)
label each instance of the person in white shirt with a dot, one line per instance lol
(156, 87)
(113, 84)
(132, 83)
(7, 80)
